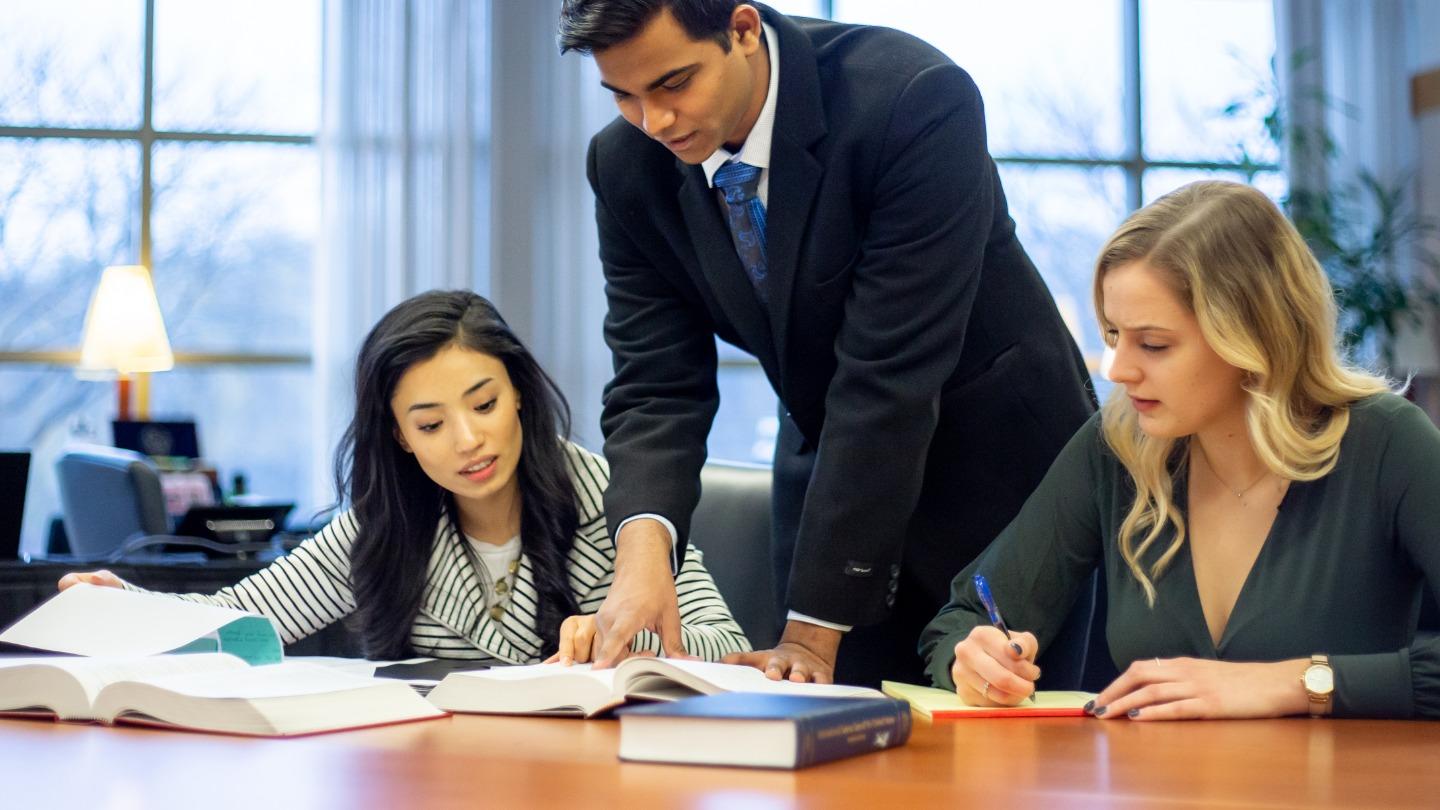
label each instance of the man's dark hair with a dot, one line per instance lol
(589, 26)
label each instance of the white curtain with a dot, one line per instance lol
(453, 143)
(545, 271)
(404, 165)
(1359, 55)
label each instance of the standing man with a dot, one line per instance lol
(820, 195)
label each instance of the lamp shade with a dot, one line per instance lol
(123, 328)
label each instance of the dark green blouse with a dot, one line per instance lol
(1340, 573)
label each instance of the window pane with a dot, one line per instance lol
(1158, 182)
(1274, 184)
(46, 408)
(67, 209)
(1049, 70)
(1064, 216)
(248, 67)
(746, 425)
(1200, 56)
(71, 63)
(798, 8)
(235, 228)
(251, 420)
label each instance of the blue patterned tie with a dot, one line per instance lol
(737, 183)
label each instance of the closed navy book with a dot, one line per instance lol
(761, 730)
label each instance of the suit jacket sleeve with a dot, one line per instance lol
(662, 399)
(905, 321)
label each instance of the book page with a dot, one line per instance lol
(111, 622)
(708, 677)
(536, 688)
(535, 671)
(289, 679)
(93, 674)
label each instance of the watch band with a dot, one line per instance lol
(1321, 702)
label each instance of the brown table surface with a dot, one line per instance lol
(476, 761)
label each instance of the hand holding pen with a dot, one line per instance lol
(994, 667)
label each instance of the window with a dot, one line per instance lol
(1093, 107)
(180, 135)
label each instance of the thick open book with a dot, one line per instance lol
(580, 690)
(206, 692)
(940, 704)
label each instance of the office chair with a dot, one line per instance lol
(108, 496)
(731, 524)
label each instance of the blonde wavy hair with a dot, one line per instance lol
(1266, 307)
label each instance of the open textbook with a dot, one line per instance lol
(206, 692)
(580, 690)
(91, 620)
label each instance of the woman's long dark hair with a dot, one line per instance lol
(396, 504)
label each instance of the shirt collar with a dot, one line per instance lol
(756, 149)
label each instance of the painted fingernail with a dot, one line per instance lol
(1089, 707)
(1016, 648)
(1100, 711)
(1133, 713)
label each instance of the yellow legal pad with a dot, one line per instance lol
(939, 704)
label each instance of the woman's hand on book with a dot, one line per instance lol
(577, 641)
(1194, 688)
(992, 670)
(578, 646)
(102, 578)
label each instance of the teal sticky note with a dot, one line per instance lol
(252, 638)
(204, 644)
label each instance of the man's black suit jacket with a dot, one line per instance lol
(907, 333)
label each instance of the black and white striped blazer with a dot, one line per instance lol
(310, 588)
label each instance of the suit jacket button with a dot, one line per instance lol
(890, 600)
(894, 586)
(895, 571)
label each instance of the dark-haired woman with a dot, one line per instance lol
(475, 530)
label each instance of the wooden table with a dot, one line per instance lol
(474, 761)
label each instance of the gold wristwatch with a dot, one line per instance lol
(1319, 682)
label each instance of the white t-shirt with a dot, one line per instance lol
(496, 559)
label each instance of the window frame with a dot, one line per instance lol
(1132, 162)
(146, 136)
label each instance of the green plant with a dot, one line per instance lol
(1362, 228)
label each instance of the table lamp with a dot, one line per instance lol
(125, 335)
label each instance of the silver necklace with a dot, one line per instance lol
(1238, 493)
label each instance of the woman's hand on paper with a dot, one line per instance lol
(1195, 688)
(992, 670)
(102, 578)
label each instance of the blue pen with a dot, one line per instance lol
(983, 588)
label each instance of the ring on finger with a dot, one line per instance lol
(985, 691)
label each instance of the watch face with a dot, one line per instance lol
(1319, 679)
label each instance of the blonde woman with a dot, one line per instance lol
(1265, 516)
